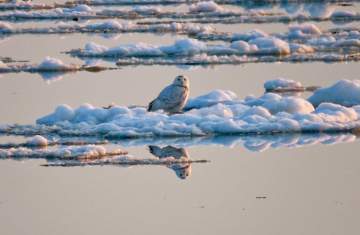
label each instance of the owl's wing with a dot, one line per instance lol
(172, 95)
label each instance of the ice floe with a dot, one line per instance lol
(185, 47)
(50, 68)
(109, 26)
(219, 112)
(68, 152)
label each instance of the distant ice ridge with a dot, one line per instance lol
(218, 112)
(186, 47)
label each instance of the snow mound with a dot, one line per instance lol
(343, 92)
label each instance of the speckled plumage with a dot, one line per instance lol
(172, 98)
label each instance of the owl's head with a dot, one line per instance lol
(182, 80)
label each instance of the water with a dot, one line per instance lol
(281, 184)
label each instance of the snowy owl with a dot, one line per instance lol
(172, 98)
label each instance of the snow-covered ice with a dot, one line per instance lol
(218, 112)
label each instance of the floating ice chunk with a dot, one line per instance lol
(271, 45)
(49, 64)
(207, 6)
(343, 92)
(281, 83)
(305, 30)
(37, 140)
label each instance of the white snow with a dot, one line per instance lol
(343, 92)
